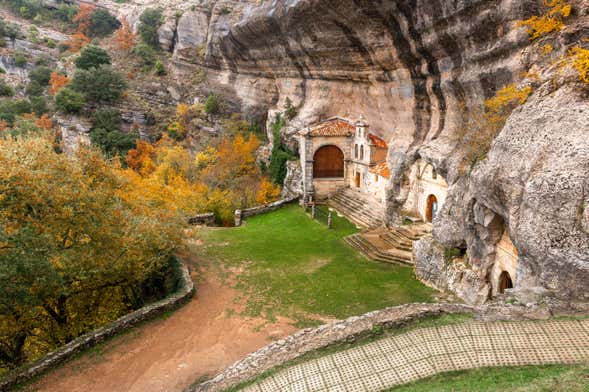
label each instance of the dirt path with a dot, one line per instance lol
(169, 354)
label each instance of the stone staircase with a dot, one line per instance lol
(389, 245)
(358, 208)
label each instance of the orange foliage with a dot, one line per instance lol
(141, 158)
(124, 36)
(44, 122)
(83, 17)
(267, 192)
(57, 82)
(77, 41)
(3, 125)
(580, 60)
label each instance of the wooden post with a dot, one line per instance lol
(329, 220)
(313, 211)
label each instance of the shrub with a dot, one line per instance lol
(211, 104)
(34, 89)
(289, 110)
(552, 20)
(5, 89)
(41, 75)
(150, 21)
(146, 54)
(581, 62)
(102, 23)
(38, 105)
(106, 133)
(99, 85)
(10, 109)
(91, 57)
(69, 101)
(280, 154)
(66, 12)
(159, 68)
(20, 60)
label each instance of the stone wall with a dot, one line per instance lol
(259, 210)
(311, 339)
(207, 219)
(99, 335)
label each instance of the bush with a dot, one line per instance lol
(69, 101)
(20, 59)
(146, 54)
(92, 57)
(99, 85)
(10, 109)
(102, 23)
(34, 89)
(66, 12)
(39, 105)
(150, 21)
(211, 104)
(289, 110)
(41, 75)
(106, 133)
(159, 68)
(280, 154)
(5, 89)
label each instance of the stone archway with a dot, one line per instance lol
(328, 162)
(431, 209)
(505, 282)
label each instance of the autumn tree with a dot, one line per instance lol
(84, 17)
(56, 82)
(124, 37)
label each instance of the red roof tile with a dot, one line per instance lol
(377, 141)
(334, 127)
(382, 169)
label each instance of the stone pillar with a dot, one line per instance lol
(307, 164)
(238, 218)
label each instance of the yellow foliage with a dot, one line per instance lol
(547, 49)
(506, 97)
(553, 20)
(267, 192)
(580, 60)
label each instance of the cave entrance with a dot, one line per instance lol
(328, 162)
(431, 208)
(504, 282)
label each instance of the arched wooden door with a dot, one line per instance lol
(504, 282)
(431, 209)
(328, 162)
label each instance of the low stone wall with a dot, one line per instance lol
(97, 336)
(203, 219)
(263, 209)
(311, 339)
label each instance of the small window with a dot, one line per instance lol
(356, 151)
(434, 173)
(361, 153)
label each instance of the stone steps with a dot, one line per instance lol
(360, 243)
(358, 208)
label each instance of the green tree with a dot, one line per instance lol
(280, 154)
(102, 23)
(99, 85)
(41, 75)
(69, 101)
(5, 89)
(150, 21)
(146, 54)
(212, 104)
(92, 57)
(106, 133)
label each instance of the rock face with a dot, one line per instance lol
(416, 69)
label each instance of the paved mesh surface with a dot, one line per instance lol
(424, 352)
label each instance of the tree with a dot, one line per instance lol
(56, 82)
(280, 154)
(91, 57)
(99, 85)
(106, 133)
(41, 75)
(211, 104)
(141, 158)
(5, 89)
(150, 21)
(83, 17)
(69, 101)
(77, 42)
(102, 23)
(147, 55)
(267, 192)
(124, 37)
(289, 110)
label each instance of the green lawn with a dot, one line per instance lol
(293, 266)
(552, 378)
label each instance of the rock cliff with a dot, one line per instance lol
(416, 69)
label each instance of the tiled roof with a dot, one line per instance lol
(333, 127)
(382, 169)
(377, 141)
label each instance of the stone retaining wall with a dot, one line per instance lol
(263, 209)
(203, 219)
(97, 336)
(311, 339)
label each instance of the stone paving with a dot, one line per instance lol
(424, 352)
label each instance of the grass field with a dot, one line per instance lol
(552, 378)
(292, 266)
